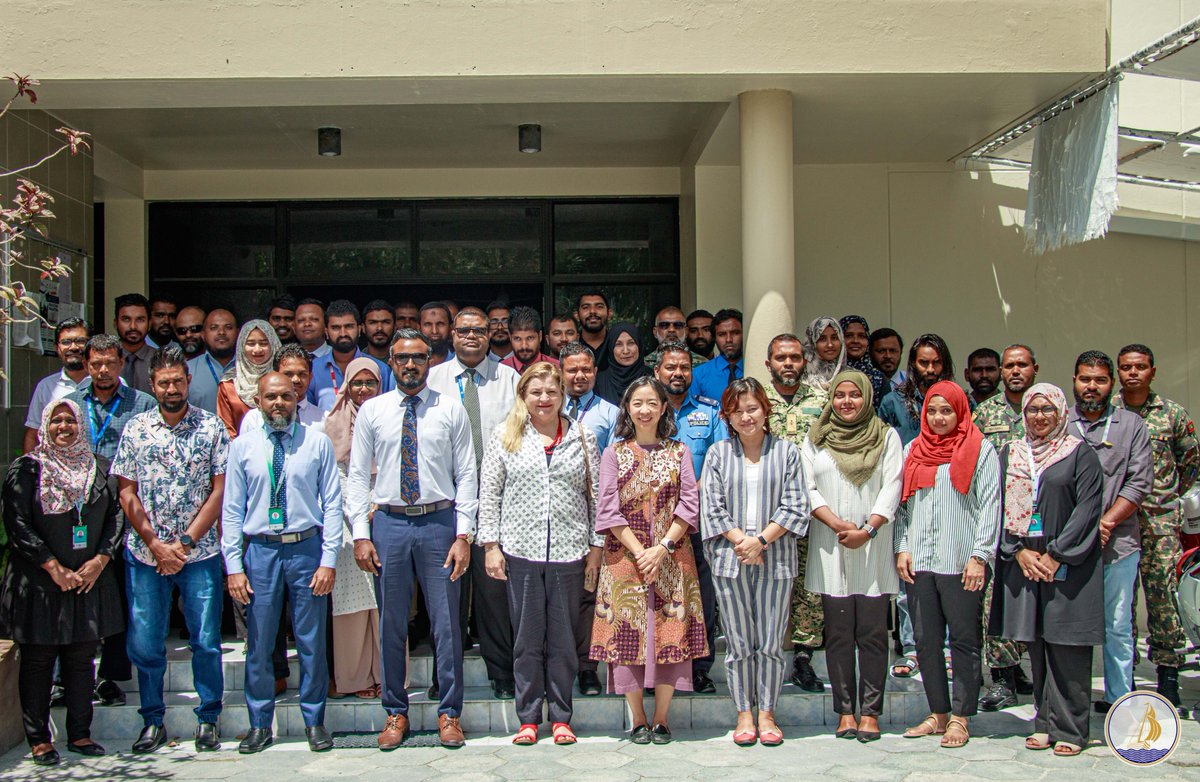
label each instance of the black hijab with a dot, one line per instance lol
(612, 381)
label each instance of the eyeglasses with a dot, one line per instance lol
(364, 385)
(1045, 412)
(77, 341)
(467, 331)
(181, 330)
(498, 322)
(400, 359)
(671, 324)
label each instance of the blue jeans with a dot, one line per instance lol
(149, 612)
(1119, 580)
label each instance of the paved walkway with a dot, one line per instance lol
(808, 754)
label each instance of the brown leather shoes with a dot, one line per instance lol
(393, 733)
(450, 731)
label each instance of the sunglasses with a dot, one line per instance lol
(671, 324)
(188, 329)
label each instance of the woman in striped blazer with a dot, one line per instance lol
(752, 494)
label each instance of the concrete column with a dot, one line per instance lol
(126, 269)
(768, 222)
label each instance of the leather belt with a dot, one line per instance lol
(417, 510)
(287, 537)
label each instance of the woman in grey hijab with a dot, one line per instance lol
(824, 352)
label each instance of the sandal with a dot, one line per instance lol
(563, 733)
(745, 738)
(1066, 749)
(956, 724)
(772, 737)
(366, 694)
(1038, 742)
(908, 661)
(915, 732)
(527, 736)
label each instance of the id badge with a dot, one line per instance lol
(1035, 527)
(792, 424)
(275, 520)
(78, 537)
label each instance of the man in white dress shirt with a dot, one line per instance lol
(427, 494)
(487, 390)
(70, 341)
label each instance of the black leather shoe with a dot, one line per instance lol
(504, 691)
(702, 684)
(640, 734)
(1168, 687)
(50, 758)
(1101, 707)
(661, 734)
(108, 693)
(208, 737)
(434, 692)
(256, 740)
(1001, 694)
(589, 683)
(319, 739)
(803, 675)
(151, 738)
(92, 750)
(1021, 685)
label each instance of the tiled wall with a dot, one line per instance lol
(27, 136)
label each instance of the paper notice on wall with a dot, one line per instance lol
(53, 298)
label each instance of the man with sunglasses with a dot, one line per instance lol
(189, 331)
(670, 327)
(426, 494)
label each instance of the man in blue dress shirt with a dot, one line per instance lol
(711, 377)
(698, 425)
(207, 369)
(280, 534)
(342, 328)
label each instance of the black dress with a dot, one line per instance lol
(33, 610)
(1070, 612)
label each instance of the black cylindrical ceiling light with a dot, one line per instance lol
(529, 138)
(329, 142)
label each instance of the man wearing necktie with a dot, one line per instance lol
(281, 531)
(711, 378)
(426, 493)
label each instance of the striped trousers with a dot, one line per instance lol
(754, 614)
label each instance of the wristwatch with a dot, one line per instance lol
(871, 531)
(763, 541)
(186, 541)
(669, 545)
(467, 536)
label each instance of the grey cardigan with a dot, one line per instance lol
(782, 499)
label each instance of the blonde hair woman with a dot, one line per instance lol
(537, 512)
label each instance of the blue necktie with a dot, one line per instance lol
(410, 479)
(279, 490)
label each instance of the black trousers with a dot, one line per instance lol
(937, 603)
(77, 664)
(1062, 690)
(708, 601)
(114, 659)
(490, 605)
(856, 629)
(544, 598)
(583, 631)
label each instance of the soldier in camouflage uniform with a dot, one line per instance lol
(1176, 466)
(999, 418)
(794, 408)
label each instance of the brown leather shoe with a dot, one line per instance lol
(393, 733)
(450, 731)
(280, 687)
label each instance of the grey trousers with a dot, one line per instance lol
(755, 609)
(543, 602)
(938, 603)
(1062, 690)
(856, 647)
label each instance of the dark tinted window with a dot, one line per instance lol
(483, 239)
(615, 238)
(212, 240)
(346, 240)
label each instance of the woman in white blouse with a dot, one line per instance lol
(537, 523)
(853, 463)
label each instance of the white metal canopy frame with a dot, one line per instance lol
(1147, 156)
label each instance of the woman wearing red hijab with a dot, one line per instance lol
(947, 528)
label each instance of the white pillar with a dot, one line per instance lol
(768, 222)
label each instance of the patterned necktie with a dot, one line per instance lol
(410, 480)
(470, 399)
(279, 490)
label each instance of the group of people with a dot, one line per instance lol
(367, 472)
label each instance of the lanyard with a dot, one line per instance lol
(92, 418)
(462, 393)
(279, 482)
(1034, 475)
(1104, 443)
(580, 412)
(333, 378)
(211, 369)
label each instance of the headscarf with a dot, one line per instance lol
(612, 381)
(67, 473)
(1046, 451)
(339, 423)
(244, 374)
(855, 446)
(959, 449)
(819, 373)
(863, 363)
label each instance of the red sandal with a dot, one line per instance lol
(563, 733)
(526, 736)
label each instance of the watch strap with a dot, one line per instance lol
(763, 541)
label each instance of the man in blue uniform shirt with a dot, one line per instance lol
(579, 376)
(342, 328)
(712, 377)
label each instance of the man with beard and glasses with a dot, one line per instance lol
(426, 496)
(499, 337)
(1120, 439)
(561, 331)
(1176, 467)
(281, 528)
(592, 313)
(132, 322)
(282, 317)
(982, 375)
(486, 389)
(886, 347)
(207, 369)
(408, 315)
(189, 331)
(699, 333)
(70, 341)
(328, 372)
(435, 325)
(795, 407)
(170, 468)
(698, 426)
(525, 334)
(163, 313)
(379, 324)
(712, 377)
(670, 326)
(309, 327)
